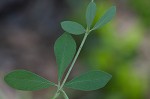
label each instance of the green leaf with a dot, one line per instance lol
(65, 48)
(106, 18)
(90, 14)
(72, 27)
(26, 80)
(89, 81)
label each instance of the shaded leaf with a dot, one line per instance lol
(89, 81)
(26, 80)
(65, 48)
(105, 18)
(90, 14)
(72, 27)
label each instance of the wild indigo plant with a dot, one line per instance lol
(65, 52)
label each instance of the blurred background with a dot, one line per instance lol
(29, 28)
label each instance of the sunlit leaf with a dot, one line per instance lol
(89, 81)
(72, 27)
(65, 48)
(26, 80)
(90, 13)
(105, 18)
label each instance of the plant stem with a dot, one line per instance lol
(71, 67)
(56, 94)
(64, 94)
(74, 60)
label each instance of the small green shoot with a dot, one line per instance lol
(66, 54)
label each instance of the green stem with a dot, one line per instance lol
(71, 67)
(74, 60)
(56, 94)
(64, 94)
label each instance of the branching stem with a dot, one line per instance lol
(56, 94)
(74, 60)
(71, 67)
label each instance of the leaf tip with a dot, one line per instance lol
(114, 8)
